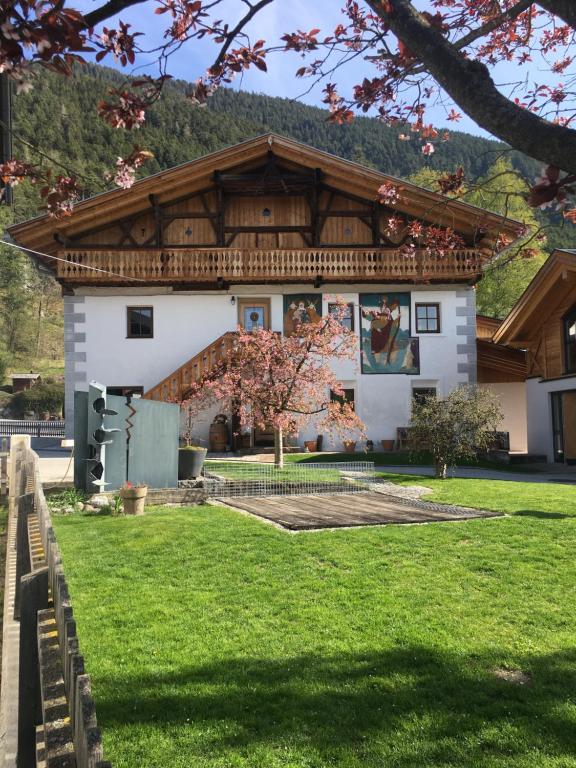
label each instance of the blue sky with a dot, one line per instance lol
(276, 19)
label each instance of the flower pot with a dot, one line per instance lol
(349, 446)
(190, 462)
(387, 445)
(134, 499)
(311, 445)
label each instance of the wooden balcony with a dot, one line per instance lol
(173, 388)
(215, 266)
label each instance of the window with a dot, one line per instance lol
(348, 397)
(420, 395)
(427, 318)
(140, 322)
(348, 317)
(570, 341)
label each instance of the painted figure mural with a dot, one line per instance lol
(301, 309)
(386, 344)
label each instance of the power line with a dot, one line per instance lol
(82, 266)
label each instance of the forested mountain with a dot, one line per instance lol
(56, 124)
(59, 116)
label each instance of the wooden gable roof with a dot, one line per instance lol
(552, 286)
(43, 233)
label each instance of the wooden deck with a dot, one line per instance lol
(306, 513)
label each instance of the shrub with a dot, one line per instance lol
(458, 427)
(45, 396)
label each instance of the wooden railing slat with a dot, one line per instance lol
(206, 265)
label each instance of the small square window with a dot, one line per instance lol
(348, 317)
(140, 322)
(427, 318)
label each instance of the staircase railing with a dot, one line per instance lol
(173, 388)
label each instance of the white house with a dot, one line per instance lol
(267, 233)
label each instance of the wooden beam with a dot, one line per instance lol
(158, 223)
(268, 229)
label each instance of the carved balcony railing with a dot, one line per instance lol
(173, 388)
(212, 266)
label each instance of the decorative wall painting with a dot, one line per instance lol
(386, 345)
(301, 309)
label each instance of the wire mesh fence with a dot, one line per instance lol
(243, 478)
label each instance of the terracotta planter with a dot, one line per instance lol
(134, 499)
(350, 446)
(311, 445)
(387, 445)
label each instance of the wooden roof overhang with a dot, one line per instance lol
(550, 287)
(486, 327)
(230, 167)
(497, 363)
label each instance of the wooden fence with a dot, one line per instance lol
(57, 724)
(9, 427)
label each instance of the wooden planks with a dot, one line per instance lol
(300, 513)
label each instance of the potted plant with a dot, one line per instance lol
(190, 457)
(190, 461)
(349, 446)
(133, 497)
(387, 445)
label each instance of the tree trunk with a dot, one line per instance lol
(441, 469)
(278, 448)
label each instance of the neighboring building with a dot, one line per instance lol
(503, 370)
(22, 381)
(543, 322)
(266, 233)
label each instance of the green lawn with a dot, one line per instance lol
(397, 459)
(216, 640)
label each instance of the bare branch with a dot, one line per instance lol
(231, 36)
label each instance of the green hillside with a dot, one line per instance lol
(58, 117)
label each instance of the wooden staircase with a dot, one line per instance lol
(173, 388)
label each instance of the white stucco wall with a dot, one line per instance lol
(185, 323)
(539, 410)
(512, 398)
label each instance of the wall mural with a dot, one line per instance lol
(386, 345)
(299, 309)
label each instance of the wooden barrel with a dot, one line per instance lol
(218, 436)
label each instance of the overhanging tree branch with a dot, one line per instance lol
(111, 8)
(564, 9)
(469, 83)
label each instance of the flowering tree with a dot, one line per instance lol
(284, 381)
(416, 54)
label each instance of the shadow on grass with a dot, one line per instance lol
(450, 708)
(541, 515)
